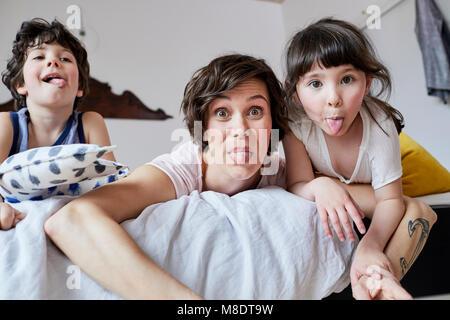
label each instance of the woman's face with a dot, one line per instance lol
(238, 129)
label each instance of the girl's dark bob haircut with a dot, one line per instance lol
(331, 43)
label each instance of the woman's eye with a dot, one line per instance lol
(221, 113)
(255, 111)
(347, 80)
(315, 84)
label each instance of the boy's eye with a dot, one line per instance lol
(315, 84)
(221, 113)
(255, 111)
(347, 80)
(38, 58)
(64, 59)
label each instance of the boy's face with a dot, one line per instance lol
(238, 129)
(50, 75)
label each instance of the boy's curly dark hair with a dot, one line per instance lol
(34, 33)
(223, 74)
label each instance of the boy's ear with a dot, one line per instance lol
(296, 98)
(368, 85)
(80, 93)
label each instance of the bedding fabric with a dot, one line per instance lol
(258, 244)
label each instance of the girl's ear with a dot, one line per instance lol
(21, 89)
(368, 85)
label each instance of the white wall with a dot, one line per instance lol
(426, 118)
(152, 48)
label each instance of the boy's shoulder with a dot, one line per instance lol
(5, 117)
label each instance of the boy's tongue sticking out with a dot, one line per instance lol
(57, 82)
(335, 124)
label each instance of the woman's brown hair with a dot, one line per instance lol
(223, 74)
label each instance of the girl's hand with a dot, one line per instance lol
(9, 216)
(372, 275)
(335, 203)
(379, 285)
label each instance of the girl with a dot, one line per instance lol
(47, 75)
(348, 133)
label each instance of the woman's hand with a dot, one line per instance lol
(9, 216)
(335, 203)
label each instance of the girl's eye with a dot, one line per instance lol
(347, 80)
(221, 113)
(255, 111)
(315, 84)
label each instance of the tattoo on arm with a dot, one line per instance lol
(412, 227)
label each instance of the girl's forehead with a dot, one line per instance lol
(318, 68)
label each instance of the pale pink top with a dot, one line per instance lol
(184, 168)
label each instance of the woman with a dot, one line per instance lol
(238, 101)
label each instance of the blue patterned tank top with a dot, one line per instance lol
(72, 133)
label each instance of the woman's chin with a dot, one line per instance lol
(242, 171)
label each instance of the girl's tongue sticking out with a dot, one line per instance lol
(335, 124)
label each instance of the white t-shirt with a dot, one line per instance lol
(379, 158)
(184, 168)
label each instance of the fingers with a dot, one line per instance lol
(355, 214)
(346, 224)
(324, 219)
(6, 217)
(18, 217)
(336, 225)
(360, 290)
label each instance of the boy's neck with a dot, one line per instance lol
(46, 125)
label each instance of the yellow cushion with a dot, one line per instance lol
(422, 173)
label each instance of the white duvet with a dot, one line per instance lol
(258, 244)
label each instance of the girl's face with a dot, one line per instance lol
(238, 129)
(332, 97)
(50, 76)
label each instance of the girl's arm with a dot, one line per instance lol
(333, 202)
(410, 235)
(96, 132)
(389, 210)
(87, 230)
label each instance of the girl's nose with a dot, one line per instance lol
(334, 98)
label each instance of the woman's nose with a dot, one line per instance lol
(240, 127)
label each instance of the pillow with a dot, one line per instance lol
(71, 169)
(422, 173)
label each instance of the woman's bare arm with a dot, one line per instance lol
(87, 230)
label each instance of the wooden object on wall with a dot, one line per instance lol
(102, 100)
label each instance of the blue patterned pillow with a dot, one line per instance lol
(72, 169)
